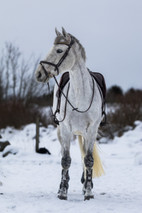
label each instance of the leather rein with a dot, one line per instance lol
(65, 96)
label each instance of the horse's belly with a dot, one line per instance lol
(80, 126)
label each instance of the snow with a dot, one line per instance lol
(138, 159)
(29, 181)
(10, 149)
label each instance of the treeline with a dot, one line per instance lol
(124, 108)
(21, 97)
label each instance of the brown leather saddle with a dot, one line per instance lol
(99, 78)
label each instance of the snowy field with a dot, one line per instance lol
(30, 181)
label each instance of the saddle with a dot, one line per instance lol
(99, 78)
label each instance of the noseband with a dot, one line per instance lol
(60, 61)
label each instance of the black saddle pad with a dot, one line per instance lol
(100, 81)
(97, 76)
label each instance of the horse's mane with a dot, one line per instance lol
(82, 49)
(62, 40)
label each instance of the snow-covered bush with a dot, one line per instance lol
(126, 112)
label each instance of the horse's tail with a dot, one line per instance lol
(97, 166)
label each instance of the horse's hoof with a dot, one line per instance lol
(62, 197)
(62, 194)
(88, 197)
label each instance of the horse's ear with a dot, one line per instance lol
(65, 34)
(57, 32)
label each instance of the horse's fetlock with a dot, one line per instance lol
(88, 181)
(64, 185)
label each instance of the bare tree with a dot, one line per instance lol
(7, 67)
(24, 69)
(17, 76)
(19, 91)
(1, 77)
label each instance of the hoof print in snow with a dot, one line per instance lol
(103, 193)
(138, 159)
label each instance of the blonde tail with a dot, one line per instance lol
(97, 167)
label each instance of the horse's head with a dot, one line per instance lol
(61, 57)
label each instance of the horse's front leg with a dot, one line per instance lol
(64, 185)
(88, 184)
(65, 162)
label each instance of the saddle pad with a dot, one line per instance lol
(100, 81)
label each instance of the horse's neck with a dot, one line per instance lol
(80, 82)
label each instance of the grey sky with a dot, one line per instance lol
(110, 31)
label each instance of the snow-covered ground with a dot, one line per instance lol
(30, 181)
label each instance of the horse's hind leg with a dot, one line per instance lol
(86, 178)
(65, 162)
(87, 155)
(89, 162)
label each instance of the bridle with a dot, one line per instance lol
(66, 96)
(60, 61)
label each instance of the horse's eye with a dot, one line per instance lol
(59, 51)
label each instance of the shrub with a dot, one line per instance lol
(19, 91)
(127, 112)
(114, 94)
(17, 115)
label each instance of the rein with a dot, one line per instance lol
(67, 101)
(74, 108)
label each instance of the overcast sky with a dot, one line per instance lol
(110, 31)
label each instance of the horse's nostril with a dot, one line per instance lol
(39, 75)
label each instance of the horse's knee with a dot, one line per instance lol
(66, 161)
(89, 161)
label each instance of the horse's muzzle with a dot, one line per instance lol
(42, 77)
